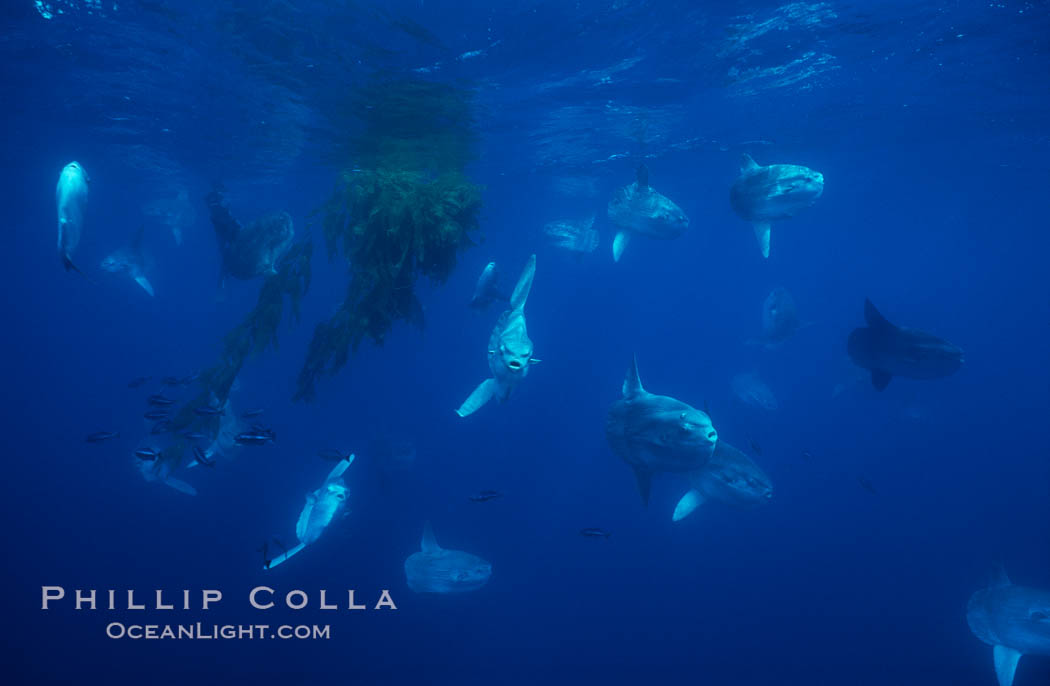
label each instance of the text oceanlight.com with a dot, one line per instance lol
(199, 631)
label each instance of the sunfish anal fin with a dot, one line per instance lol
(747, 164)
(481, 395)
(689, 502)
(880, 379)
(1005, 664)
(645, 483)
(762, 234)
(144, 282)
(284, 556)
(620, 244)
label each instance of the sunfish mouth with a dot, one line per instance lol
(514, 364)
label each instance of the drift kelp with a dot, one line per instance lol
(256, 332)
(406, 213)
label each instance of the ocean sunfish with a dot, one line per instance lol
(780, 320)
(1014, 620)
(657, 433)
(578, 236)
(887, 350)
(729, 477)
(71, 196)
(762, 195)
(437, 570)
(321, 508)
(751, 390)
(488, 289)
(510, 349)
(252, 250)
(130, 260)
(638, 209)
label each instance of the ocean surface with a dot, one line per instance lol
(930, 122)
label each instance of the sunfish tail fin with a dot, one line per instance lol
(144, 282)
(284, 556)
(1005, 664)
(689, 502)
(521, 291)
(481, 395)
(762, 232)
(620, 242)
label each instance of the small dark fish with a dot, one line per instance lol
(202, 457)
(485, 496)
(252, 438)
(100, 436)
(193, 435)
(265, 550)
(332, 455)
(755, 447)
(209, 411)
(156, 415)
(866, 484)
(170, 381)
(159, 400)
(248, 414)
(147, 454)
(138, 381)
(595, 533)
(161, 427)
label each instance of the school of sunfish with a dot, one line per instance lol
(652, 434)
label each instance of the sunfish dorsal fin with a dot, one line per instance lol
(632, 383)
(874, 318)
(642, 176)
(1005, 664)
(521, 291)
(999, 578)
(339, 468)
(429, 543)
(747, 164)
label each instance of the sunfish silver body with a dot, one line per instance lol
(71, 197)
(657, 433)
(887, 350)
(1014, 620)
(437, 570)
(751, 390)
(321, 508)
(510, 349)
(729, 477)
(129, 260)
(779, 318)
(638, 209)
(487, 290)
(574, 236)
(762, 195)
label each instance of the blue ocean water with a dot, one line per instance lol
(929, 122)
